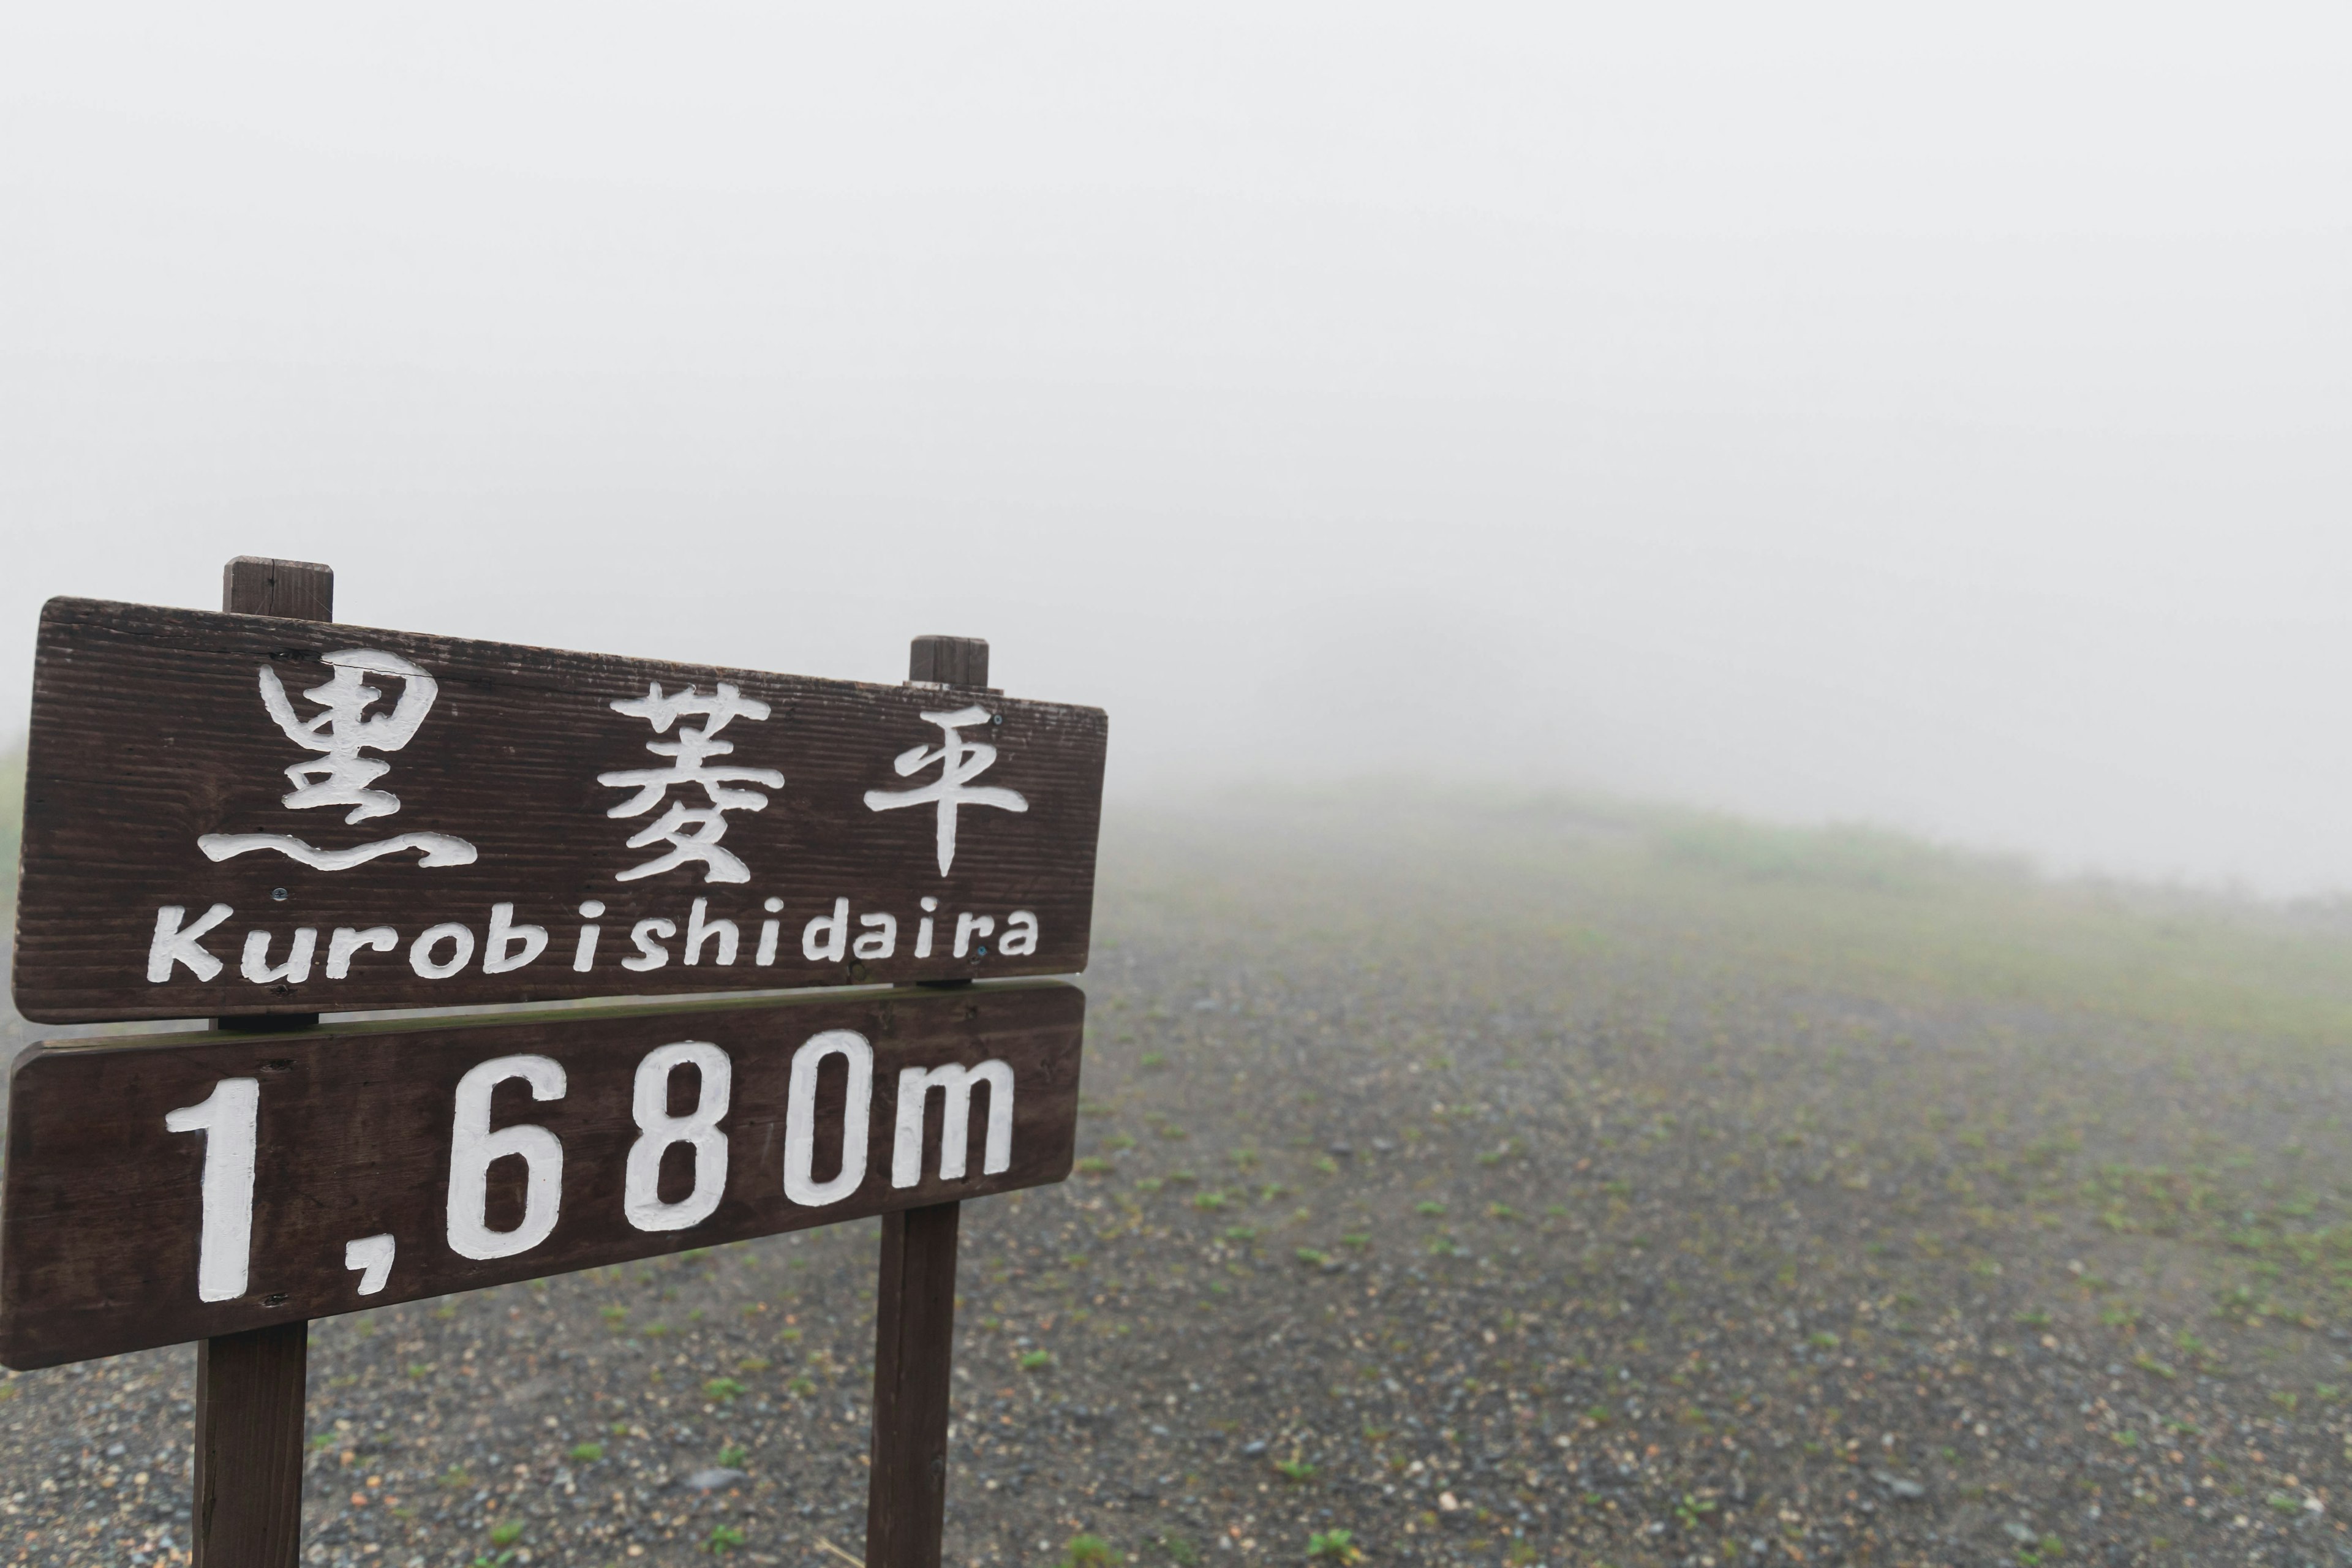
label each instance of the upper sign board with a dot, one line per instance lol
(227, 815)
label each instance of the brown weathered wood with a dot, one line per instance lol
(100, 1216)
(905, 1506)
(950, 661)
(251, 1387)
(291, 590)
(914, 1307)
(262, 586)
(248, 1498)
(149, 733)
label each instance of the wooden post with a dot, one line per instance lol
(250, 1386)
(914, 1304)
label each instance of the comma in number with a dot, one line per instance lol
(370, 1258)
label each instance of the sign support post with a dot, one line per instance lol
(914, 1301)
(250, 1386)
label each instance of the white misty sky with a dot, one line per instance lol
(1824, 412)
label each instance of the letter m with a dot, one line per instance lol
(954, 1080)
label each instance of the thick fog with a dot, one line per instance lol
(1822, 413)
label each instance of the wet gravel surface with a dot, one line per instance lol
(1447, 1200)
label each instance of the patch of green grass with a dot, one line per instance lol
(1089, 1552)
(1334, 1546)
(1033, 1361)
(723, 1538)
(506, 1533)
(587, 1453)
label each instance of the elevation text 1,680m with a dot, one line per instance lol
(179, 1187)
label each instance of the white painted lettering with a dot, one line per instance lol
(499, 954)
(923, 929)
(658, 1129)
(370, 1258)
(420, 952)
(879, 939)
(698, 930)
(171, 945)
(959, 761)
(228, 1117)
(347, 943)
(800, 1117)
(1020, 934)
(472, 1147)
(583, 956)
(650, 953)
(770, 931)
(692, 832)
(954, 1083)
(834, 941)
(340, 776)
(969, 926)
(294, 971)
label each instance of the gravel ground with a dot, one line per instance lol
(1444, 1194)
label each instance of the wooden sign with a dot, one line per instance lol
(229, 815)
(166, 1188)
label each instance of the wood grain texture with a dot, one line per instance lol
(100, 1206)
(248, 1481)
(263, 586)
(292, 590)
(950, 661)
(914, 1350)
(149, 733)
(251, 1387)
(914, 1302)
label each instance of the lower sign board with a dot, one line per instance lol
(172, 1187)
